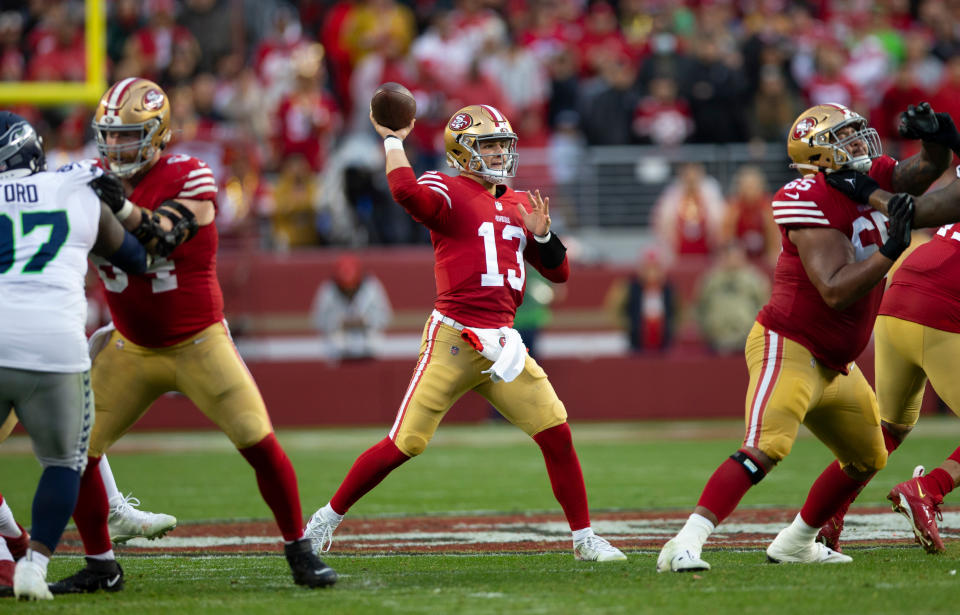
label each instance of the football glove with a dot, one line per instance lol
(920, 122)
(900, 210)
(857, 186)
(110, 190)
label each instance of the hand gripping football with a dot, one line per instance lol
(393, 106)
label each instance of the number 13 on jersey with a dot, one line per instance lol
(493, 277)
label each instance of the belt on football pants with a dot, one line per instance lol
(447, 320)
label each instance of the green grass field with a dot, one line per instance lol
(495, 468)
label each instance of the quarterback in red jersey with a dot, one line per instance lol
(826, 292)
(169, 330)
(482, 231)
(917, 333)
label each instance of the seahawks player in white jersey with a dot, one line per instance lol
(49, 222)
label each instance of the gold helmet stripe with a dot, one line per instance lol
(113, 100)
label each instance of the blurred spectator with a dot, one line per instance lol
(715, 86)
(564, 88)
(925, 68)
(217, 27)
(13, 64)
(774, 106)
(124, 19)
(307, 117)
(947, 96)
(608, 103)
(295, 194)
(688, 215)
(903, 91)
(351, 310)
(58, 51)
(749, 219)
(662, 117)
(828, 83)
(729, 298)
(152, 46)
(644, 304)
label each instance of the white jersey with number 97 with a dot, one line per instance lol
(48, 224)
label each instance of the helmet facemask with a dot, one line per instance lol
(127, 157)
(843, 157)
(478, 164)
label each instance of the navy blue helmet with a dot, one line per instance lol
(20, 145)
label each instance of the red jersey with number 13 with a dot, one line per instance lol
(480, 243)
(180, 295)
(796, 310)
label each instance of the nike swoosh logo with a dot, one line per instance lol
(852, 181)
(113, 581)
(795, 195)
(920, 490)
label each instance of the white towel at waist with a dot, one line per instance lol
(503, 346)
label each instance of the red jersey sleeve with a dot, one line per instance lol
(426, 199)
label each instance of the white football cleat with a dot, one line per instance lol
(320, 531)
(126, 521)
(596, 549)
(786, 549)
(30, 581)
(679, 557)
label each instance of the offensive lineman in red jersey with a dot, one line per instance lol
(826, 291)
(481, 232)
(917, 333)
(170, 333)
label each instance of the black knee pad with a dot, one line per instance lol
(754, 470)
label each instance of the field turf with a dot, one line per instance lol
(493, 468)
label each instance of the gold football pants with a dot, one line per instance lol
(127, 378)
(789, 387)
(907, 354)
(448, 367)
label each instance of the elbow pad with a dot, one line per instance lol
(184, 227)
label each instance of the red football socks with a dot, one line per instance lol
(566, 477)
(278, 484)
(92, 511)
(726, 487)
(371, 467)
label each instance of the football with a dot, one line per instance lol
(393, 106)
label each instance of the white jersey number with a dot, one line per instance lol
(493, 277)
(116, 280)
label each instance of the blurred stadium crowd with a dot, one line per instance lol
(274, 95)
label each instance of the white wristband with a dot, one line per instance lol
(125, 211)
(391, 143)
(544, 239)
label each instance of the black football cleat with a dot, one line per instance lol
(308, 569)
(98, 574)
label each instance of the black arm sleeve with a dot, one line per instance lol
(553, 252)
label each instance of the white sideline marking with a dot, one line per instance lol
(858, 527)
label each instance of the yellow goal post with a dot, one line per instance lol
(51, 93)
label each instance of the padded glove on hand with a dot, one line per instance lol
(920, 122)
(858, 186)
(900, 211)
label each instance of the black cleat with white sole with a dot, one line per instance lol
(98, 574)
(308, 569)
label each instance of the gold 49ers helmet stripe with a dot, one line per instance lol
(115, 95)
(772, 360)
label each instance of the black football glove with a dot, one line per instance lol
(900, 210)
(920, 122)
(858, 186)
(110, 190)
